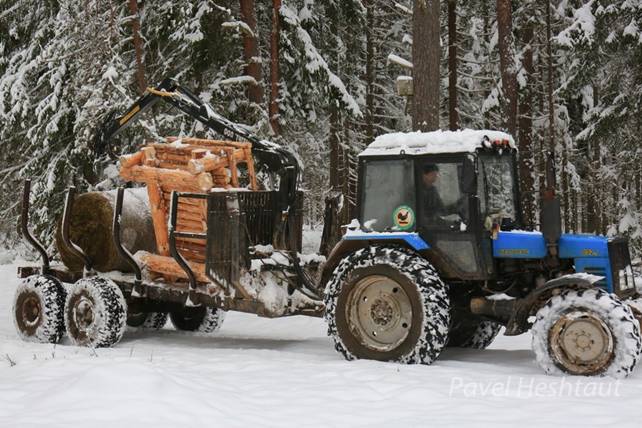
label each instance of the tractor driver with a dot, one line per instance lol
(434, 210)
(432, 204)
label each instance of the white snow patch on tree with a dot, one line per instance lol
(316, 62)
(396, 59)
(583, 26)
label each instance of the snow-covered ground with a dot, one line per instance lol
(284, 372)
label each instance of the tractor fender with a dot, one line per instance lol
(347, 246)
(518, 322)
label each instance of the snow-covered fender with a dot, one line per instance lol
(524, 308)
(355, 241)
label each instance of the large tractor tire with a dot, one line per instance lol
(387, 304)
(473, 333)
(199, 319)
(38, 309)
(586, 332)
(95, 313)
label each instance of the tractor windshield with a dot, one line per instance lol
(388, 195)
(497, 186)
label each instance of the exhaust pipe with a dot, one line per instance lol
(550, 218)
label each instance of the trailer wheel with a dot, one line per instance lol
(200, 319)
(387, 303)
(586, 332)
(95, 313)
(147, 320)
(472, 333)
(38, 309)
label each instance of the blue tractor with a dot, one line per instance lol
(438, 258)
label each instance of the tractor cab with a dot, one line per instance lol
(450, 190)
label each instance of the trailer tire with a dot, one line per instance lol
(147, 320)
(586, 332)
(38, 309)
(391, 290)
(155, 320)
(201, 319)
(95, 313)
(473, 334)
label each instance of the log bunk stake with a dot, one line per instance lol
(185, 165)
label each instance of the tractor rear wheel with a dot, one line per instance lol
(387, 304)
(95, 313)
(38, 309)
(586, 332)
(199, 319)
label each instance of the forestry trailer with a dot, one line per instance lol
(436, 257)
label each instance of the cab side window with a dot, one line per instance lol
(441, 201)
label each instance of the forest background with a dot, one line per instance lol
(319, 76)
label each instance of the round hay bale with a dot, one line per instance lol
(90, 227)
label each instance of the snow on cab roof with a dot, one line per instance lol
(414, 143)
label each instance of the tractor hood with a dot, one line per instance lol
(521, 244)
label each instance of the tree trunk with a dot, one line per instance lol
(507, 64)
(453, 114)
(274, 67)
(370, 71)
(526, 133)
(138, 46)
(251, 51)
(549, 89)
(594, 200)
(426, 55)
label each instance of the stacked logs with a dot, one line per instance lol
(185, 165)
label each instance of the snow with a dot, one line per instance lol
(316, 62)
(585, 276)
(396, 59)
(238, 80)
(466, 140)
(282, 373)
(583, 25)
(239, 25)
(178, 144)
(110, 73)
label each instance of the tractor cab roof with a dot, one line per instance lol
(421, 143)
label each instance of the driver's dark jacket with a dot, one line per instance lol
(433, 206)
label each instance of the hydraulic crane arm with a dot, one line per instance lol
(276, 158)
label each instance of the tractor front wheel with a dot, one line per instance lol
(586, 332)
(387, 304)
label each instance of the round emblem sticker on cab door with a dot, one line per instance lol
(403, 217)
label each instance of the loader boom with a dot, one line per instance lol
(276, 158)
